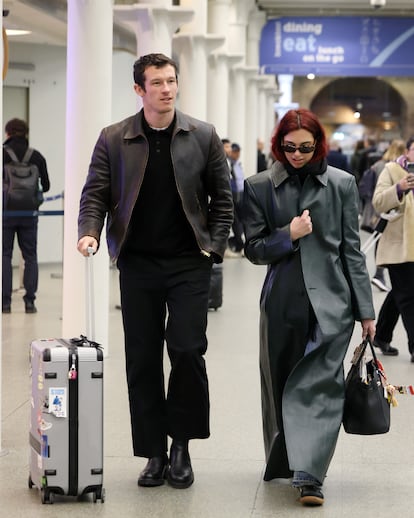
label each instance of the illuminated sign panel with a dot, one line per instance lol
(345, 46)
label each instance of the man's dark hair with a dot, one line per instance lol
(16, 128)
(151, 60)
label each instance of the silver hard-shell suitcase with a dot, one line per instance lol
(66, 423)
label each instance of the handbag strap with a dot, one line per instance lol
(360, 351)
(359, 355)
(390, 389)
(374, 355)
(357, 358)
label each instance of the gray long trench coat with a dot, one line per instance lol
(320, 278)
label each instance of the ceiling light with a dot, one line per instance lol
(17, 32)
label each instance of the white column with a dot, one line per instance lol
(272, 97)
(268, 94)
(261, 101)
(154, 23)
(240, 11)
(219, 64)
(193, 52)
(252, 121)
(198, 24)
(243, 106)
(219, 91)
(88, 109)
(193, 46)
(285, 86)
(254, 124)
(256, 21)
(285, 101)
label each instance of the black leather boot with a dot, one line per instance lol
(154, 472)
(180, 474)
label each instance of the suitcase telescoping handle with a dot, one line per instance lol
(90, 306)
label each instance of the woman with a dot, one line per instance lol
(301, 219)
(370, 217)
(394, 190)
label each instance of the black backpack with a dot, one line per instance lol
(21, 190)
(367, 184)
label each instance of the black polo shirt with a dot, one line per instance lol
(158, 224)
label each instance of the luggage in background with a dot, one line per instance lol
(215, 298)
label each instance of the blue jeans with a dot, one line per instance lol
(26, 230)
(301, 478)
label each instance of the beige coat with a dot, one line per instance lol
(396, 245)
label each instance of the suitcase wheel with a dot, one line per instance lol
(99, 494)
(46, 496)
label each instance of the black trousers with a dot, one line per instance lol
(236, 241)
(165, 300)
(402, 282)
(387, 318)
(25, 228)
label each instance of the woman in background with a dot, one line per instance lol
(301, 219)
(395, 191)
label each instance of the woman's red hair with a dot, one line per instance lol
(299, 119)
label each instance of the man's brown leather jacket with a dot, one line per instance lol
(117, 170)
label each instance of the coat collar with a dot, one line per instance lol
(279, 175)
(135, 127)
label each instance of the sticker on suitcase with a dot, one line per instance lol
(58, 401)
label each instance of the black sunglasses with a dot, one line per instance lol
(303, 148)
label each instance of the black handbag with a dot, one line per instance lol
(367, 407)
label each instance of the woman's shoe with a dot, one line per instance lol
(311, 495)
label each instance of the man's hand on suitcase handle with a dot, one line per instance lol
(87, 245)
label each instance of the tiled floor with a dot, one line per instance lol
(368, 477)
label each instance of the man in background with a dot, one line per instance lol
(261, 157)
(335, 156)
(236, 241)
(22, 226)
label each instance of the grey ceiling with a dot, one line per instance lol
(47, 18)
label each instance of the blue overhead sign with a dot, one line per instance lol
(338, 46)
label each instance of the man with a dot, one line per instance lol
(163, 180)
(335, 156)
(236, 242)
(369, 155)
(227, 149)
(24, 226)
(261, 157)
